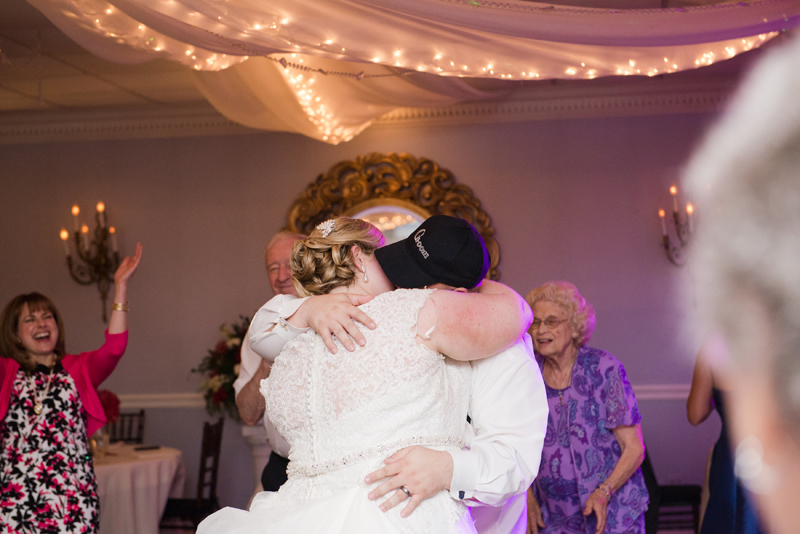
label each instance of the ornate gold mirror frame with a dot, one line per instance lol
(415, 184)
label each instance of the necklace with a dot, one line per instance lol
(38, 405)
(565, 384)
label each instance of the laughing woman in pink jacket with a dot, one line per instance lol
(48, 408)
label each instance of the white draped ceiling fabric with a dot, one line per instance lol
(328, 68)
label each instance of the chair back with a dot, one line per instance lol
(209, 462)
(129, 428)
(672, 506)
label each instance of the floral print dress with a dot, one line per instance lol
(47, 484)
(580, 449)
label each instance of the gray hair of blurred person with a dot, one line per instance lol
(745, 180)
(283, 234)
(581, 314)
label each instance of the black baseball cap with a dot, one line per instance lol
(443, 250)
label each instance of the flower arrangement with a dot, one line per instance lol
(220, 369)
(110, 403)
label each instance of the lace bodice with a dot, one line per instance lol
(344, 413)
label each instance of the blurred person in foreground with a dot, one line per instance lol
(589, 478)
(341, 413)
(745, 180)
(49, 407)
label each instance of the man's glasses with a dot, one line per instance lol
(550, 322)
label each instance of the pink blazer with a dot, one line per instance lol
(88, 370)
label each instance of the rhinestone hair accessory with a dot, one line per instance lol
(326, 227)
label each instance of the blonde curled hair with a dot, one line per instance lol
(581, 313)
(321, 264)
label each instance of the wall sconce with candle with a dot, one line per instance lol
(683, 230)
(98, 259)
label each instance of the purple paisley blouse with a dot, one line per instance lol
(580, 450)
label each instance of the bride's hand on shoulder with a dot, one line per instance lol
(335, 315)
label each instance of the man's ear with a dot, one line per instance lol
(461, 289)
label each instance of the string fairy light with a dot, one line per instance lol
(200, 59)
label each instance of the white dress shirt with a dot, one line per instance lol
(508, 412)
(247, 368)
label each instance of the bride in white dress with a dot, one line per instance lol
(344, 413)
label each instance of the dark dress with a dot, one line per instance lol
(730, 509)
(47, 483)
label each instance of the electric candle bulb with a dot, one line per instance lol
(690, 216)
(101, 208)
(64, 235)
(75, 211)
(113, 233)
(674, 192)
(661, 214)
(85, 233)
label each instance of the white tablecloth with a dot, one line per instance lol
(134, 486)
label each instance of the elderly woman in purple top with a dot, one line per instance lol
(589, 479)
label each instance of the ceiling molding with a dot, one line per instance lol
(121, 123)
(540, 103)
(668, 100)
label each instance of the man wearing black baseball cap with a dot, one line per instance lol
(443, 250)
(508, 407)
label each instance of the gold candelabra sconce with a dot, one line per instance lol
(684, 228)
(97, 258)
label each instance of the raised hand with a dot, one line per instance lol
(128, 266)
(118, 322)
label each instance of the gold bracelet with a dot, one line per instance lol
(119, 307)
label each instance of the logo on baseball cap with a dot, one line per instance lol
(443, 250)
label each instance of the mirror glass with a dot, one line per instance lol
(396, 222)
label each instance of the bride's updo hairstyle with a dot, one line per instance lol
(324, 260)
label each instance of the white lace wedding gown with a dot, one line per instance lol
(343, 414)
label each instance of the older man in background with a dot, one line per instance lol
(253, 369)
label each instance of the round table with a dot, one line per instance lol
(134, 486)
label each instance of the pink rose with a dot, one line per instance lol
(110, 404)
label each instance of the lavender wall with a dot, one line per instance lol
(573, 200)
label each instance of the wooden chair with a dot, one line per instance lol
(129, 428)
(188, 513)
(672, 507)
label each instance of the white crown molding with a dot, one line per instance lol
(113, 124)
(642, 97)
(608, 98)
(660, 392)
